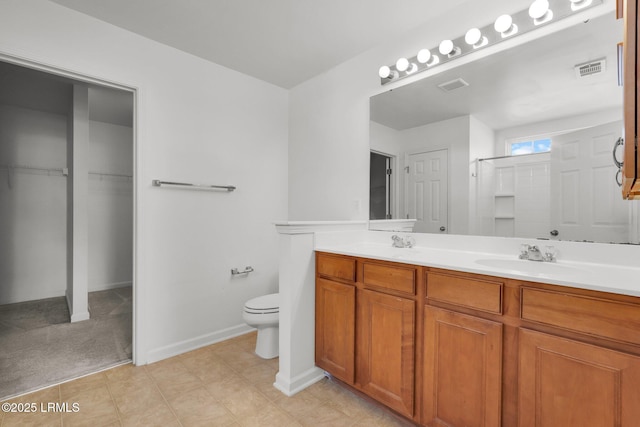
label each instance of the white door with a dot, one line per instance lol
(586, 202)
(428, 191)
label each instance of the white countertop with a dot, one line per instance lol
(606, 277)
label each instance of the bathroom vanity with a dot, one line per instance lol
(449, 347)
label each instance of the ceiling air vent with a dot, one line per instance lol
(453, 85)
(591, 68)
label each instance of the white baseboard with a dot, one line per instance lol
(107, 286)
(79, 317)
(195, 343)
(298, 383)
(76, 317)
(12, 299)
(17, 297)
(69, 303)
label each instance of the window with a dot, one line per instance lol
(530, 147)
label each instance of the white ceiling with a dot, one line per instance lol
(284, 42)
(532, 83)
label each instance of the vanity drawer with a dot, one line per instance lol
(615, 320)
(478, 294)
(336, 266)
(395, 278)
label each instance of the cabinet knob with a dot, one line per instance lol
(443, 228)
(554, 232)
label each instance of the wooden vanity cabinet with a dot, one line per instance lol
(462, 363)
(386, 331)
(335, 316)
(454, 349)
(366, 327)
(628, 10)
(581, 366)
(565, 382)
(386, 349)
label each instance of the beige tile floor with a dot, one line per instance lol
(224, 384)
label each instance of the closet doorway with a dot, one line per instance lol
(66, 221)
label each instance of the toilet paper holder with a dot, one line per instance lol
(248, 269)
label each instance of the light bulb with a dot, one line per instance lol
(540, 12)
(505, 26)
(446, 47)
(538, 9)
(424, 56)
(503, 23)
(402, 64)
(384, 72)
(473, 36)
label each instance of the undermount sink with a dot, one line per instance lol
(527, 267)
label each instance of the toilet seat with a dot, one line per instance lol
(265, 304)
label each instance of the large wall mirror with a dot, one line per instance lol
(516, 144)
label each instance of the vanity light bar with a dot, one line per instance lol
(540, 13)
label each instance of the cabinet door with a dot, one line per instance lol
(462, 364)
(568, 383)
(335, 328)
(386, 349)
(631, 168)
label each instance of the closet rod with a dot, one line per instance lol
(63, 171)
(511, 156)
(111, 174)
(158, 183)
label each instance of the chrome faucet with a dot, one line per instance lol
(533, 253)
(402, 242)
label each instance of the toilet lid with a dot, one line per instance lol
(264, 302)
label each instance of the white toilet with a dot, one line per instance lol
(263, 313)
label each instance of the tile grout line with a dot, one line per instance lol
(60, 401)
(153, 379)
(235, 417)
(113, 399)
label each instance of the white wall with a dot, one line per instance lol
(110, 206)
(384, 139)
(33, 205)
(196, 122)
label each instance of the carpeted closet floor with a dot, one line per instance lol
(39, 347)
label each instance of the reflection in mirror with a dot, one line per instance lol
(379, 186)
(516, 144)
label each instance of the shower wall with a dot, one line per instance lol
(514, 196)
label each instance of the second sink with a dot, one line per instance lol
(527, 267)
